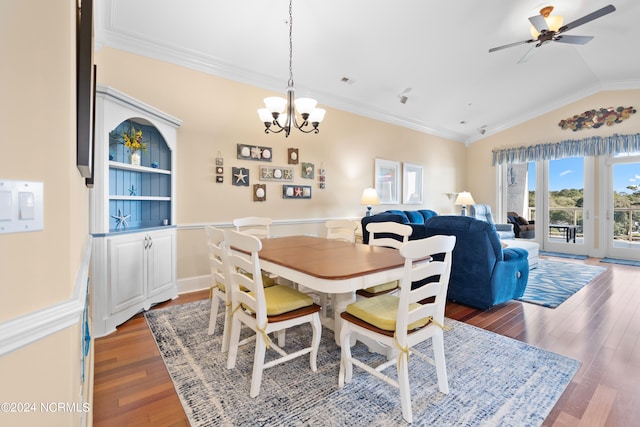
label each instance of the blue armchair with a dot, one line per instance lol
(483, 213)
(483, 274)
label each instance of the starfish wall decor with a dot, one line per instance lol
(121, 219)
(240, 176)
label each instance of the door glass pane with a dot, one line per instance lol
(565, 200)
(626, 202)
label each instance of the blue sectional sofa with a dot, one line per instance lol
(415, 219)
(483, 273)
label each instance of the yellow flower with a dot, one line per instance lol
(133, 140)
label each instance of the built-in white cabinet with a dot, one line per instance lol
(132, 210)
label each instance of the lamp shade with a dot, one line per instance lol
(265, 115)
(464, 199)
(317, 115)
(275, 104)
(305, 105)
(369, 197)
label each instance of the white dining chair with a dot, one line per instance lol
(219, 291)
(402, 321)
(264, 310)
(341, 230)
(391, 235)
(254, 225)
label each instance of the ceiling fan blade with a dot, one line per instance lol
(493, 49)
(573, 39)
(587, 18)
(539, 23)
(528, 55)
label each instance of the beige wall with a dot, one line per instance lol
(38, 269)
(217, 114)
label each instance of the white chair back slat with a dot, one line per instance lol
(342, 230)
(254, 225)
(215, 237)
(379, 231)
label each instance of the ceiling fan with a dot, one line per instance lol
(548, 29)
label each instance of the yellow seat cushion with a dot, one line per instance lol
(382, 311)
(282, 299)
(382, 287)
(267, 280)
(220, 286)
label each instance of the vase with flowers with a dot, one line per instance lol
(132, 139)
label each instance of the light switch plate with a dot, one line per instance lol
(21, 206)
(6, 205)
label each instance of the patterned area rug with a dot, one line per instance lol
(493, 380)
(553, 281)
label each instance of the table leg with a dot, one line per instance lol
(340, 303)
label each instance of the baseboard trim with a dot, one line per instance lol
(193, 284)
(34, 326)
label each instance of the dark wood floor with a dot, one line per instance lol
(599, 326)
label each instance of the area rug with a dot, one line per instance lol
(621, 261)
(563, 255)
(493, 380)
(553, 282)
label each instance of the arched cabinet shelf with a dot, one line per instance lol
(132, 213)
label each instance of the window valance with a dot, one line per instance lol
(591, 146)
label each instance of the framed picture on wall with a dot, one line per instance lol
(387, 177)
(412, 184)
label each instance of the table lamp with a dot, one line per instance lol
(464, 199)
(369, 198)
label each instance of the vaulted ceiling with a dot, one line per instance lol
(363, 56)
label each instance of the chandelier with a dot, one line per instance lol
(280, 114)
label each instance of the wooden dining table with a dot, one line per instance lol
(330, 266)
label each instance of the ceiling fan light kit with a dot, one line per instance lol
(546, 29)
(279, 114)
(553, 22)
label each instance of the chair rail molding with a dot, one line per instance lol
(31, 327)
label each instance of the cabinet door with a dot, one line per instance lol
(127, 271)
(161, 263)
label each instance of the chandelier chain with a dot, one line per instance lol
(291, 43)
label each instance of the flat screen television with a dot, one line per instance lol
(85, 90)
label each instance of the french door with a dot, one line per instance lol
(558, 196)
(621, 209)
(567, 204)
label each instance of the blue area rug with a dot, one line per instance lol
(621, 261)
(563, 255)
(553, 282)
(493, 380)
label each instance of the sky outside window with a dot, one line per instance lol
(568, 173)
